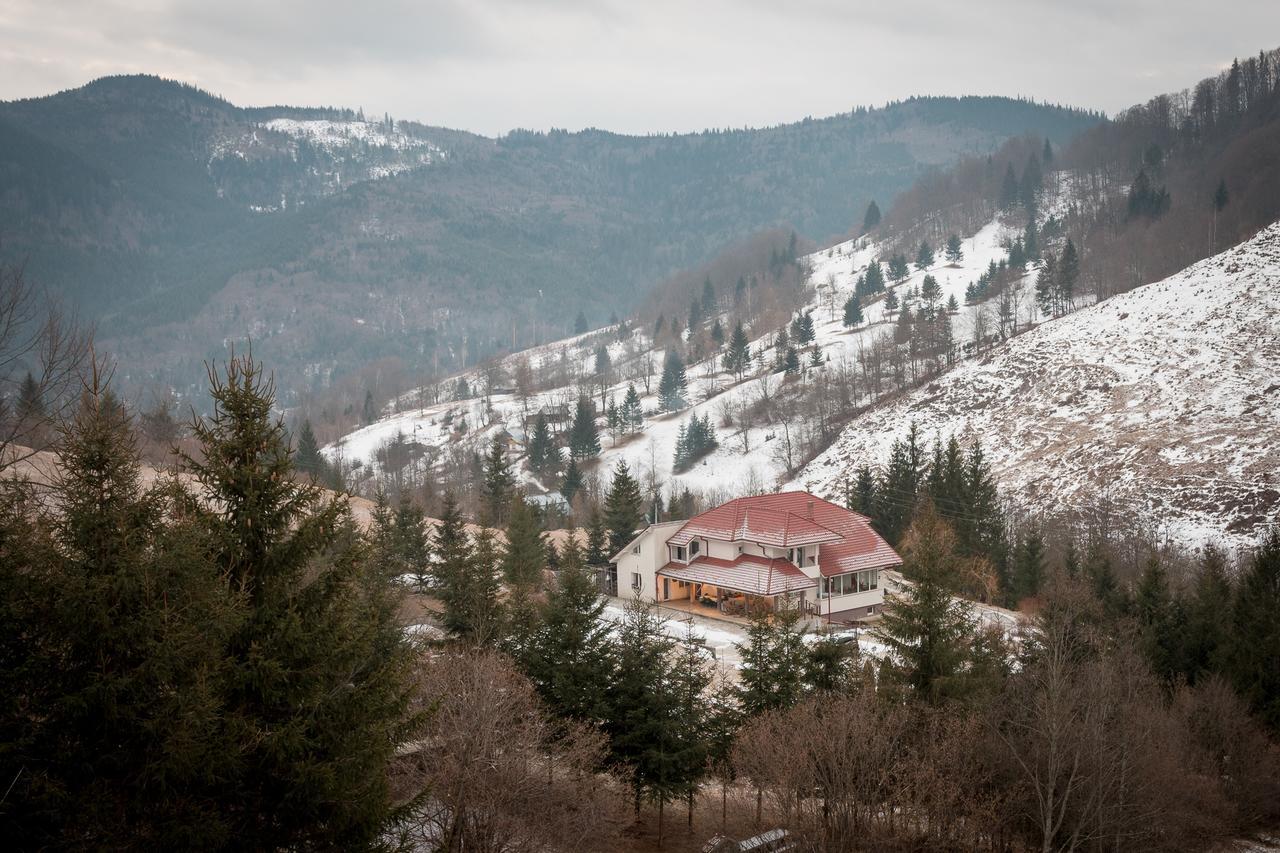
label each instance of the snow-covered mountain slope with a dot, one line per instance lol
(748, 460)
(1164, 400)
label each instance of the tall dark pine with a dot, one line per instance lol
(308, 459)
(623, 508)
(498, 483)
(899, 487)
(737, 357)
(525, 556)
(674, 382)
(872, 217)
(852, 312)
(1255, 628)
(584, 436)
(544, 456)
(113, 627)
(321, 688)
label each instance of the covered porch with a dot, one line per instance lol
(734, 588)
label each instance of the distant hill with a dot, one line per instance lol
(180, 222)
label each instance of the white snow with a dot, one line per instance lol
(1164, 400)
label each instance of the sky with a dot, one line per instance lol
(634, 66)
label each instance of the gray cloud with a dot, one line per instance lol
(490, 65)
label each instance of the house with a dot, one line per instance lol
(752, 550)
(513, 442)
(558, 418)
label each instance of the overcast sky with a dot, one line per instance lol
(631, 65)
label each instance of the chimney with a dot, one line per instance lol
(809, 509)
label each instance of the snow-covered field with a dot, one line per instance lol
(1164, 400)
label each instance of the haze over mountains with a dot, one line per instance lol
(180, 223)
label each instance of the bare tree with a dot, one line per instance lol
(42, 352)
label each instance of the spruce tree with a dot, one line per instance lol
(872, 217)
(791, 362)
(584, 437)
(571, 483)
(573, 656)
(1028, 564)
(632, 414)
(897, 491)
(308, 458)
(597, 554)
(898, 269)
(1068, 275)
(924, 256)
(738, 356)
(1255, 631)
(927, 630)
(954, 252)
(114, 622)
(773, 659)
(525, 556)
(321, 686)
(498, 483)
(624, 508)
(542, 451)
(1208, 617)
(692, 716)
(412, 542)
(852, 312)
(1157, 621)
(674, 382)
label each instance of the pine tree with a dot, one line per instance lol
(1009, 189)
(891, 301)
(1028, 564)
(802, 327)
(954, 252)
(1047, 285)
(632, 415)
(897, 491)
(573, 656)
(773, 660)
(641, 705)
(30, 405)
(874, 281)
(580, 324)
(596, 554)
(466, 577)
(1047, 155)
(321, 689)
(1208, 617)
(584, 437)
(898, 268)
(927, 630)
(1068, 276)
(623, 508)
(411, 542)
(952, 305)
(924, 256)
(1255, 630)
(369, 413)
(674, 383)
(525, 556)
(791, 362)
(717, 333)
(865, 494)
(544, 456)
(692, 716)
(930, 291)
(872, 217)
(571, 483)
(738, 357)
(1158, 623)
(853, 312)
(308, 458)
(498, 483)
(113, 626)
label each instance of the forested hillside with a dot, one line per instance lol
(178, 221)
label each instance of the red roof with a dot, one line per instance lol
(747, 573)
(791, 519)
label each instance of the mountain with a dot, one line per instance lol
(179, 222)
(1162, 403)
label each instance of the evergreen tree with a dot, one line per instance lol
(898, 269)
(897, 492)
(30, 405)
(623, 508)
(114, 622)
(1208, 617)
(696, 439)
(774, 660)
(498, 483)
(891, 301)
(853, 312)
(1031, 240)
(1157, 620)
(411, 542)
(952, 305)
(802, 328)
(872, 217)
(370, 412)
(930, 291)
(584, 437)
(1068, 275)
(597, 554)
(1009, 189)
(308, 458)
(580, 324)
(1047, 285)
(924, 256)
(791, 362)
(738, 356)
(632, 415)
(1047, 155)
(692, 716)
(571, 483)
(865, 494)
(708, 298)
(1255, 630)
(572, 660)
(717, 333)
(641, 706)
(1031, 185)
(321, 689)
(874, 281)
(674, 383)
(927, 630)
(1028, 566)
(955, 251)
(544, 456)
(525, 556)
(466, 577)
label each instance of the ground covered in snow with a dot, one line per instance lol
(1164, 400)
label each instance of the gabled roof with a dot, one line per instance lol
(792, 519)
(747, 573)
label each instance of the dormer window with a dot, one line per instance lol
(680, 554)
(694, 547)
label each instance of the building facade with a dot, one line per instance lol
(752, 551)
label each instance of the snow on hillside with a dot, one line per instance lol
(1164, 400)
(331, 134)
(744, 462)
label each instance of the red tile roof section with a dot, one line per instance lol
(748, 573)
(790, 519)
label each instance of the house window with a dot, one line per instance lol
(635, 550)
(694, 547)
(636, 582)
(849, 583)
(680, 555)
